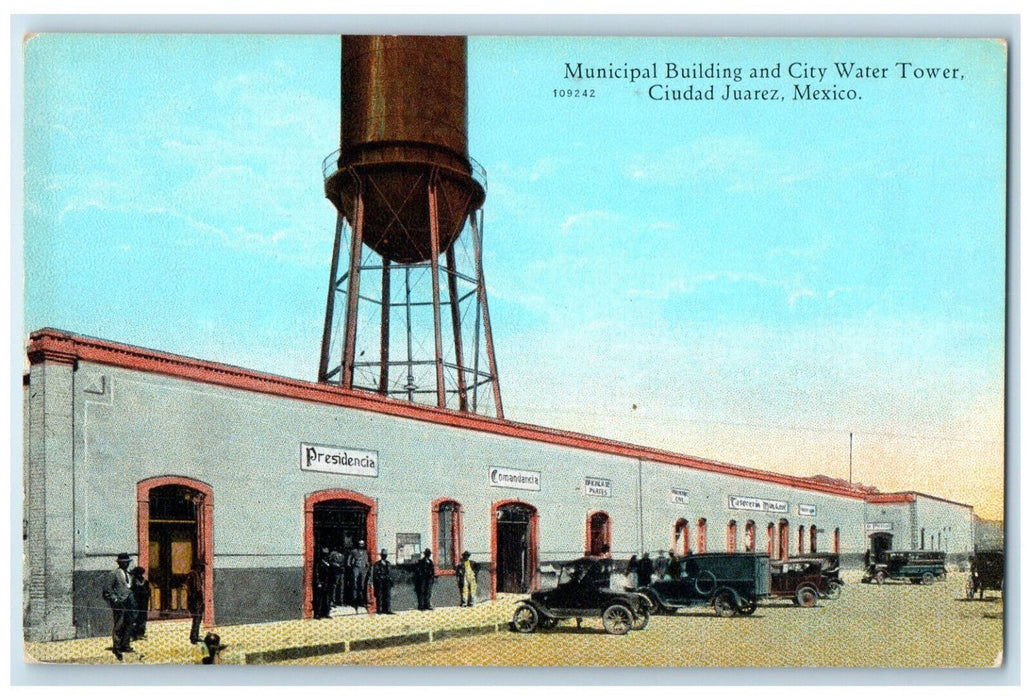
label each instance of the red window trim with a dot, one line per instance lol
(750, 536)
(702, 535)
(456, 534)
(205, 526)
(309, 535)
(685, 543)
(732, 536)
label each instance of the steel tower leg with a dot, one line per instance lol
(347, 363)
(384, 330)
(456, 325)
(481, 292)
(435, 271)
(327, 329)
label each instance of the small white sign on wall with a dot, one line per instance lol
(678, 496)
(522, 479)
(878, 527)
(593, 486)
(806, 511)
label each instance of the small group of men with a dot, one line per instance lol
(128, 594)
(425, 573)
(341, 579)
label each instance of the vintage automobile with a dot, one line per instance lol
(986, 570)
(915, 567)
(583, 589)
(731, 583)
(802, 581)
(830, 569)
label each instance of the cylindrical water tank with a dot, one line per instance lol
(403, 122)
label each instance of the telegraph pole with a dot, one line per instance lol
(850, 459)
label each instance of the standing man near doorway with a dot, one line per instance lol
(358, 566)
(425, 572)
(195, 599)
(381, 583)
(118, 594)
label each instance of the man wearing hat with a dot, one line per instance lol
(425, 572)
(118, 594)
(465, 575)
(381, 583)
(358, 567)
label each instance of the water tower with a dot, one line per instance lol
(407, 194)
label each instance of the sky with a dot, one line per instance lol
(742, 280)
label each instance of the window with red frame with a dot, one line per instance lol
(448, 522)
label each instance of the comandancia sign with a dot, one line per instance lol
(521, 479)
(758, 504)
(339, 460)
(594, 486)
(878, 527)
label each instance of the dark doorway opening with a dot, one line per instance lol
(515, 565)
(880, 542)
(339, 526)
(598, 534)
(174, 548)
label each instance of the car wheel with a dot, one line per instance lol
(617, 619)
(806, 597)
(748, 608)
(724, 605)
(927, 579)
(641, 620)
(525, 619)
(833, 590)
(879, 578)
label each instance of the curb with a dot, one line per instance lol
(363, 644)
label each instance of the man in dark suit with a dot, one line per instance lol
(141, 596)
(425, 572)
(195, 599)
(382, 583)
(118, 594)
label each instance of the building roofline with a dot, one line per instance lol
(62, 346)
(910, 497)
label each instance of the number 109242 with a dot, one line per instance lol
(562, 92)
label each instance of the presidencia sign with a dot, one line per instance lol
(521, 479)
(339, 460)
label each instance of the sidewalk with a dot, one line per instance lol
(168, 642)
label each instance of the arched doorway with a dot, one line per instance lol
(750, 536)
(338, 520)
(702, 540)
(782, 539)
(732, 536)
(681, 538)
(599, 533)
(801, 540)
(812, 539)
(174, 527)
(880, 542)
(514, 547)
(770, 539)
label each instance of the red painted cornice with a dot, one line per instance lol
(910, 497)
(890, 498)
(48, 342)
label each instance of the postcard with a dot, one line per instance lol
(526, 351)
